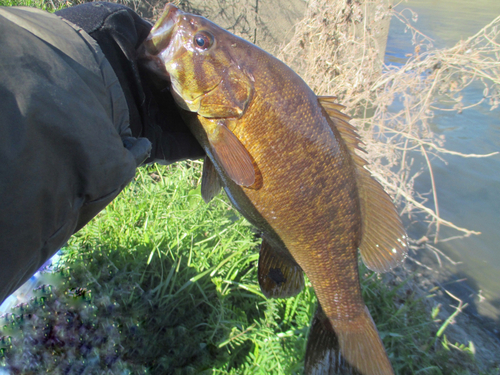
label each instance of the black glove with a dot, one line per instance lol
(63, 126)
(119, 31)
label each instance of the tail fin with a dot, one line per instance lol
(352, 348)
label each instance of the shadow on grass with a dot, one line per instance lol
(159, 283)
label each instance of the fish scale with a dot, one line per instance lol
(288, 162)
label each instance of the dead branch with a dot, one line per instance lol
(392, 110)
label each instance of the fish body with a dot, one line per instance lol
(286, 158)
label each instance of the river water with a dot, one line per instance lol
(468, 190)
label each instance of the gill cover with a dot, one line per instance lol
(230, 98)
(205, 79)
(196, 55)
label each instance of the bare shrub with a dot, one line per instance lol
(431, 80)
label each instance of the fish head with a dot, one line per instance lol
(200, 60)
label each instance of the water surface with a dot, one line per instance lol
(468, 189)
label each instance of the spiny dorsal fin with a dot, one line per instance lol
(210, 181)
(383, 244)
(279, 276)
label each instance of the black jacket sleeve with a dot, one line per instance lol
(64, 120)
(119, 31)
(76, 113)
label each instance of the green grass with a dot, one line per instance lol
(161, 283)
(47, 5)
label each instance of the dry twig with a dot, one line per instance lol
(392, 110)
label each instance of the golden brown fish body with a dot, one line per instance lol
(286, 160)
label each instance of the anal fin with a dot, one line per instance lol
(210, 181)
(279, 276)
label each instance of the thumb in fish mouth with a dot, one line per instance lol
(158, 39)
(152, 63)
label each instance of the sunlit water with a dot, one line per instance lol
(468, 189)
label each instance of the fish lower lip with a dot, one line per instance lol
(161, 33)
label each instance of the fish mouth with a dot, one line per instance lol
(191, 104)
(154, 47)
(161, 33)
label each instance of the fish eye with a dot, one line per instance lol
(203, 41)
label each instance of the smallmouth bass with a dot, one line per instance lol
(286, 158)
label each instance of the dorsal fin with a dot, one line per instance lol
(383, 243)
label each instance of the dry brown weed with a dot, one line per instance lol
(431, 80)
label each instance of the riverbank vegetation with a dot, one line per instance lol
(391, 109)
(160, 283)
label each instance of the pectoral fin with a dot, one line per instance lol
(231, 153)
(279, 276)
(210, 181)
(383, 244)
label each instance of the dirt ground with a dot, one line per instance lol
(266, 23)
(467, 326)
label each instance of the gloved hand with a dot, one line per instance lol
(78, 115)
(119, 31)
